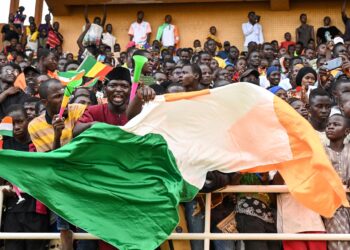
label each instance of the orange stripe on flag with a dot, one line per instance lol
(185, 95)
(104, 72)
(310, 176)
(7, 119)
(20, 82)
(324, 189)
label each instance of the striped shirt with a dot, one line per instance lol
(42, 133)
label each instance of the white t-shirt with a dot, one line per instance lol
(252, 33)
(168, 38)
(139, 31)
(32, 45)
(109, 39)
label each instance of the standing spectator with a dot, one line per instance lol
(212, 35)
(140, 31)
(338, 127)
(32, 37)
(252, 31)
(20, 18)
(346, 21)
(49, 132)
(29, 215)
(9, 31)
(168, 33)
(320, 109)
(327, 33)
(93, 30)
(54, 38)
(97, 20)
(47, 24)
(288, 41)
(305, 32)
(108, 39)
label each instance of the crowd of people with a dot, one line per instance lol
(310, 72)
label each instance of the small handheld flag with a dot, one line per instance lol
(6, 126)
(75, 82)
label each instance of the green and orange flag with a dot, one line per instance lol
(124, 184)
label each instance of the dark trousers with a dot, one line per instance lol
(28, 223)
(251, 224)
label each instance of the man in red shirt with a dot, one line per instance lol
(285, 44)
(117, 88)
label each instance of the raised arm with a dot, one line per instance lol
(144, 94)
(81, 37)
(86, 14)
(104, 16)
(343, 9)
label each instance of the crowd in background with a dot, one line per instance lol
(310, 70)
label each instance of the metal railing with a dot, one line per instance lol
(207, 236)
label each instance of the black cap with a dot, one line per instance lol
(119, 73)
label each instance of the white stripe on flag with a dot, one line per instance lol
(6, 126)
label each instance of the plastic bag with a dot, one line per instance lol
(93, 36)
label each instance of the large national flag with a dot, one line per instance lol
(123, 184)
(93, 68)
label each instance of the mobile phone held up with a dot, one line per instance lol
(334, 64)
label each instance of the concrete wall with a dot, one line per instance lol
(195, 19)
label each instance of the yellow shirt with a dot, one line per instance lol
(42, 133)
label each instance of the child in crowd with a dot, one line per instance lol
(288, 41)
(29, 215)
(338, 127)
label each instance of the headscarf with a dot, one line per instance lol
(303, 72)
(275, 89)
(272, 69)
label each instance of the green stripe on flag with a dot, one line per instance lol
(91, 83)
(88, 63)
(118, 186)
(6, 133)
